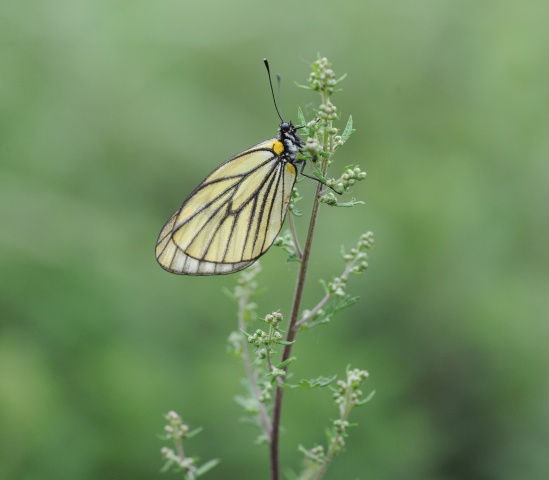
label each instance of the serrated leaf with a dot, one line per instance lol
(306, 384)
(348, 129)
(345, 302)
(335, 305)
(292, 259)
(316, 323)
(301, 117)
(247, 403)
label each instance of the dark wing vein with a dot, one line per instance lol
(262, 209)
(206, 184)
(264, 190)
(236, 213)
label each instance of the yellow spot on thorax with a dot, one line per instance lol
(278, 147)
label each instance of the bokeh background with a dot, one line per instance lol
(111, 112)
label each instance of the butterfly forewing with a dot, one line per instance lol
(232, 217)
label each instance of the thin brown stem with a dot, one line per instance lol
(291, 335)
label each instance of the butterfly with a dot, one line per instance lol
(233, 217)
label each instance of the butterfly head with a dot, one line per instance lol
(287, 134)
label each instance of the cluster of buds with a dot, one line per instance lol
(327, 111)
(286, 241)
(176, 429)
(356, 262)
(337, 442)
(264, 341)
(337, 286)
(258, 338)
(348, 179)
(322, 78)
(273, 319)
(313, 147)
(186, 464)
(295, 198)
(348, 394)
(356, 258)
(266, 392)
(317, 454)
(351, 176)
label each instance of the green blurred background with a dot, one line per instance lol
(112, 111)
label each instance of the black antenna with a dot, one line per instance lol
(272, 90)
(278, 84)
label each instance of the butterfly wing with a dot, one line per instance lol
(232, 217)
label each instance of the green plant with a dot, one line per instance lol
(265, 345)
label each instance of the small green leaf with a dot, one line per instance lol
(340, 79)
(301, 117)
(246, 334)
(194, 432)
(348, 167)
(324, 286)
(350, 204)
(306, 87)
(367, 399)
(335, 305)
(306, 384)
(318, 174)
(247, 403)
(348, 129)
(207, 467)
(292, 258)
(286, 362)
(343, 303)
(307, 453)
(317, 322)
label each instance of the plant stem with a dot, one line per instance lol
(290, 336)
(250, 372)
(293, 230)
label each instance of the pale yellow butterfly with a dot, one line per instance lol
(235, 214)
